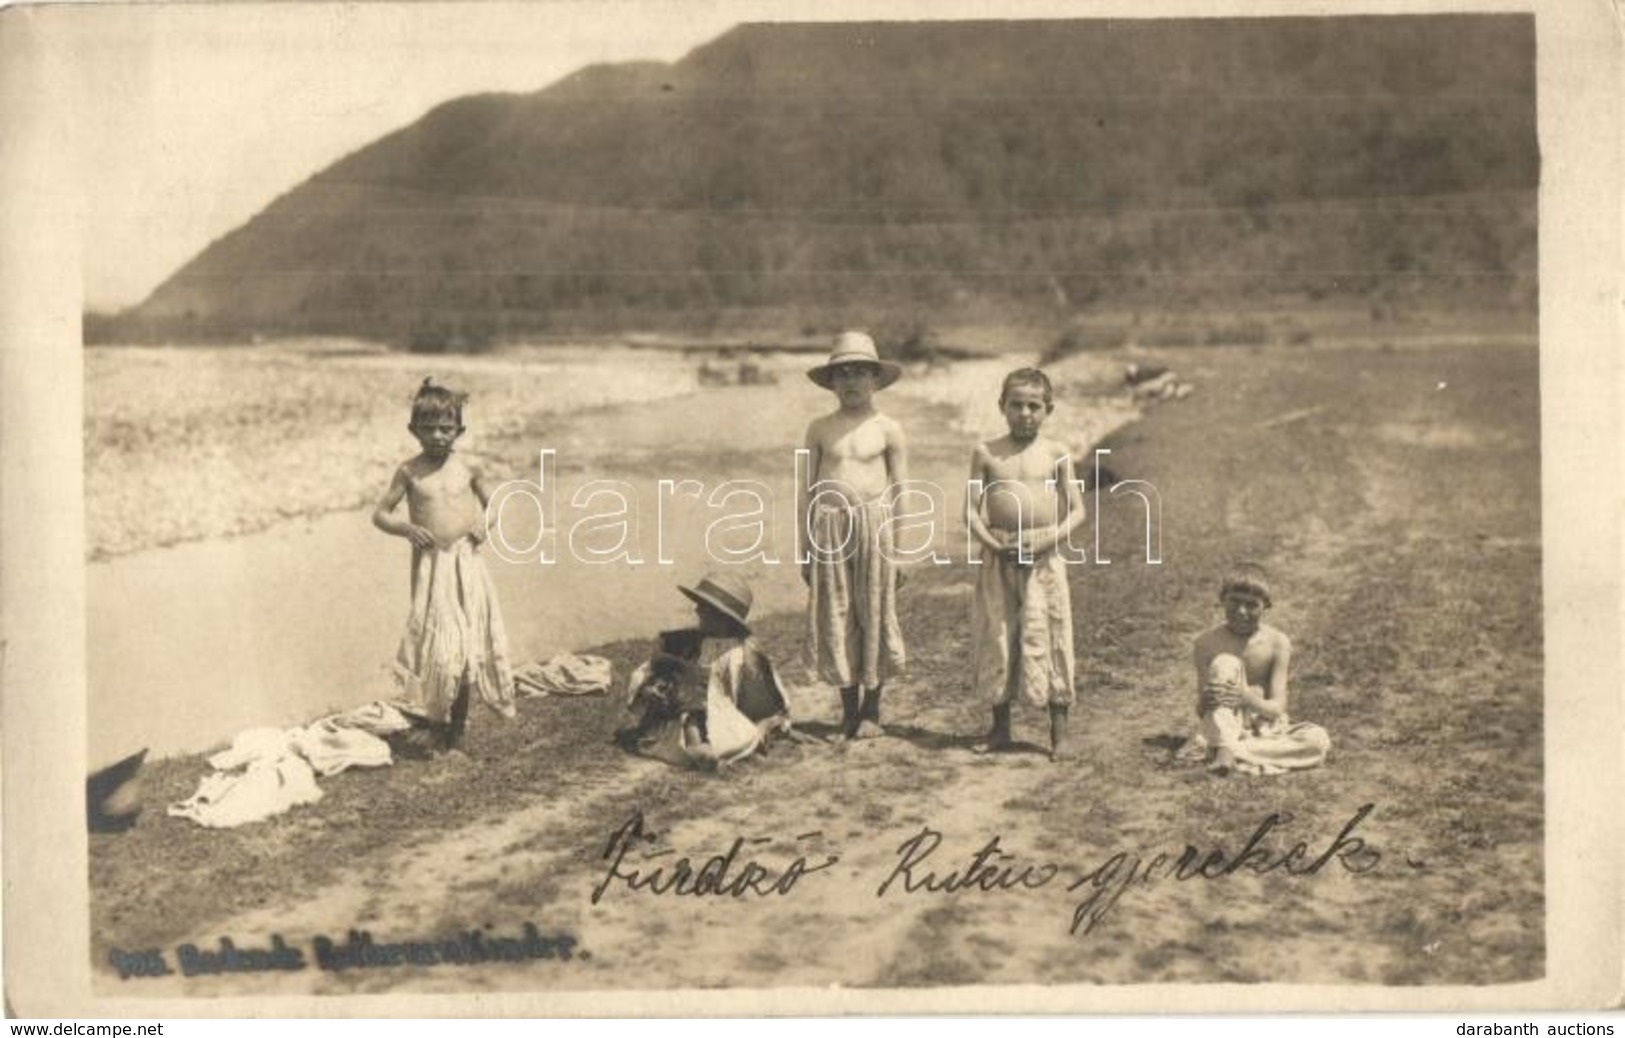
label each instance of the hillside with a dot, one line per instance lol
(835, 166)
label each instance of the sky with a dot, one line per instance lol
(195, 117)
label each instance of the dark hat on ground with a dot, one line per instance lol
(111, 795)
(726, 593)
(855, 348)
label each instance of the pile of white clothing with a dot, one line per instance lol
(565, 675)
(1274, 750)
(267, 771)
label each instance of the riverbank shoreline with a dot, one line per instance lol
(287, 431)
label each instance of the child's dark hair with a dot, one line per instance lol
(1027, 377)
(434, 402)
(1247, 580)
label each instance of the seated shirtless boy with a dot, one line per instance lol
(1241, 688)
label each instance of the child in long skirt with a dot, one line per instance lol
(455, 645)
(1022, 504)
(858, 457)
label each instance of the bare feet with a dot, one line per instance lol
(868, 729)
(1224, 762)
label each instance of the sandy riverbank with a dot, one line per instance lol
(188, 443)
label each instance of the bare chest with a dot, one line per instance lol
(1030, 467)
(860, 443)
(439, 487)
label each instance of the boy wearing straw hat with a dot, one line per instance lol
(709, 696)
(857, 456)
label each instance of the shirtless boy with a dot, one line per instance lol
(857, 456)
(1241, 687)
(455, 640)
(1021, 504)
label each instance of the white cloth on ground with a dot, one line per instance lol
(331, 747)
(265, 788)
(379, 718)
(254, 746)
(566, 674)
(267, 771)
(1273, 750)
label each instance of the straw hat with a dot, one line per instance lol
(724, 592)
(855, 348)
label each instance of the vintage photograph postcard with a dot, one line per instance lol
(662, 507)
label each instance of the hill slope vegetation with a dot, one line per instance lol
(960, 164)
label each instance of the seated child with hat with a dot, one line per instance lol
(708, 696)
